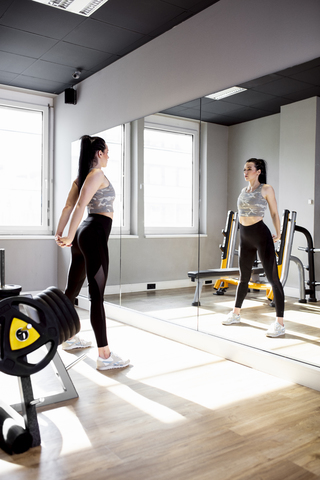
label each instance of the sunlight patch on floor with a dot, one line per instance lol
(150, 407)
(73, 435)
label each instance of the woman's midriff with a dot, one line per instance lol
(247, 221)
(107, 214)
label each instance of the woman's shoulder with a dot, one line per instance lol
(266, 189)
(95, 174)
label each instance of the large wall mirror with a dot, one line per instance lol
(183, 177)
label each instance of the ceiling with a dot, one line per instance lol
(264, 96)
(41, 46)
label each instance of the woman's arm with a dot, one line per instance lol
(269, 195)
(67, 210)
(89, 188)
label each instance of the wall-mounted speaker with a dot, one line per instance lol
(70, 96)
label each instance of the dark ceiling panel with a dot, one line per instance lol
(7, 78)
(142, 16)
(14, 63)
(50, 71)
(39, 84)
(96, 35)
(309, 76)
(313, 91)
(23, 43)
(40, 19)
(4, 5)
(75, 56)
(282, 87)
(249, 97)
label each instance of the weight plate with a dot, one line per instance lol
(64, 311)
(16, 324)
(70, 307)
(63, 326)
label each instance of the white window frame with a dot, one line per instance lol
(190, 127)
(46, 211)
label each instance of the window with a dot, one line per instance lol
(171, 166)
(24, 170)
(117, 172)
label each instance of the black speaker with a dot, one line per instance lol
(70, 96)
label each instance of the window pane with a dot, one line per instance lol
(21, 130)
(168, 179)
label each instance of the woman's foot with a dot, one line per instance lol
(113, 361)
(75, 342)
(275, 330)
(231, 318)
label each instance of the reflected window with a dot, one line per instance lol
(170, 176)
(24, 169)
(117, 172)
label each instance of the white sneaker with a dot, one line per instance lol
(114, 361)
(275, 330)
(231, 318)
(75, 342)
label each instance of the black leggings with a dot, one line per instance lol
(90, 257)
(257, 238)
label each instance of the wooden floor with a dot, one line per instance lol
(175, 413)
(302, 321)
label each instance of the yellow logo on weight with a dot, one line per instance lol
(20, 335)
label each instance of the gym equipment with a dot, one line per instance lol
(228, 251)
(311, 283)
(284, 257)
(29, 326)
(227, 256)
(14, 437)
(6, 290)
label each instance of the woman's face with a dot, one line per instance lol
(105, 156)
(250, 172)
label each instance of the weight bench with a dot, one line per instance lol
(201, 275)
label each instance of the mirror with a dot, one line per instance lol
(152, 268)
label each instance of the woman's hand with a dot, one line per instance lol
(276, 238)
(63, 241)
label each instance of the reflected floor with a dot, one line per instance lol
(302, 321)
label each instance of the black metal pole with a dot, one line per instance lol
(312, 283)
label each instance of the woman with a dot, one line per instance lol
(89, 242)
(256, 237)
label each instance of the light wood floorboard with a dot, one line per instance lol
(175, 413)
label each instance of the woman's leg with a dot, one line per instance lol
(93, 242)
(77, 271)
(268, 260)
(247, 256)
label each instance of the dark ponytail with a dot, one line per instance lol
(260, 165)
(88, 149)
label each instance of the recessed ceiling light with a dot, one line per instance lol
(225, 93)
(81, 7)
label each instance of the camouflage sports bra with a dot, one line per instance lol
(102, 200)
(252, 204)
